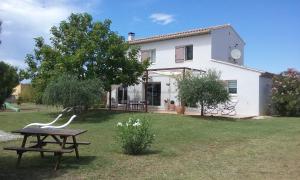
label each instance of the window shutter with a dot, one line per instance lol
(145, 55)
(179, 54)
(232, 84)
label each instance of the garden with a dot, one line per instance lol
(184, 147)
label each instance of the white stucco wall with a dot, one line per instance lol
(223, 41)
(247, 87)
(251, 88)
(265, 92)
(165, 52)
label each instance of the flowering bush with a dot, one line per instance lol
(286, 93)
(135, 135)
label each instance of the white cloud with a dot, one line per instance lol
(27, 19)
(162, 18)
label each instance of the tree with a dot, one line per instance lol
(8, 80)
(204, 90)
(286, 93)
(85, 49)
(70, 91)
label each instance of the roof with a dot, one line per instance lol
(263, 73)
(188, 33)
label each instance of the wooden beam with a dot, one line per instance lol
(146, 90)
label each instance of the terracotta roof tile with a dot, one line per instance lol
(193, 32)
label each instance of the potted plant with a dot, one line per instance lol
(172, 105)
(180, 109)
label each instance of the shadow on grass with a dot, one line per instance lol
(148, 152)
(214, 118)
(94, 116)
(36, 167)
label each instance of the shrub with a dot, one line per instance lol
(286, 93)
(69, 91)
(135, 136)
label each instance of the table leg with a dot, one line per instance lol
(59, 155)
(58, 160)
(40, 144)
(20, 153)
(75, 147)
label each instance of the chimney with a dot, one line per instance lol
(131, 36)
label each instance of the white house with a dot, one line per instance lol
(199, 50)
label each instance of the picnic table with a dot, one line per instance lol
(59, 137)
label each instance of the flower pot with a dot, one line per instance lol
(172, 107)
(180, 109)
(167, 106)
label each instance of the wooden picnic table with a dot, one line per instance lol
(59, 137)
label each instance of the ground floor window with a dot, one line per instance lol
(154, 93)
(232, 86)
(122, 95)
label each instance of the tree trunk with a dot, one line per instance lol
(202, 109)
(109, 106)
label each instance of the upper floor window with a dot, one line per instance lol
(183, 53)
(232, 86)
(149, 55)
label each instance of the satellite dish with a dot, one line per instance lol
(236, 54)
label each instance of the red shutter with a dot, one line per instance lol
(179, 54)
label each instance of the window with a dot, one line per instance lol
(232, 86)
(122, 95)
(183, 53)
(149, 55)
(189, 52)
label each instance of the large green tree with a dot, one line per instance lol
(86, 49)
(8, 80)
(203, 90)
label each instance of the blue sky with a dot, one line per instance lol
(270, 28)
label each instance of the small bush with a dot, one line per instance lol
(135, 136)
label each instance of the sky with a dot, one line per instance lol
(270, 28)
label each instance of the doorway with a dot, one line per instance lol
(154, 93)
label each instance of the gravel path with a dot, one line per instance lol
(4, 136)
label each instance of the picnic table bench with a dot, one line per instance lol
(59, 136)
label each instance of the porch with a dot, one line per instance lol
(157, 88)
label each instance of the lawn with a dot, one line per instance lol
(186, 147)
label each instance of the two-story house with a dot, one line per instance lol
(199, 49)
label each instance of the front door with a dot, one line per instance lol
(154, 93)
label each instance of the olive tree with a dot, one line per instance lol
(203, 90)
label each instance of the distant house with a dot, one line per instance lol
(18, 91)
(220, 48)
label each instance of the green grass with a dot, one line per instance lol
(186, 147)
